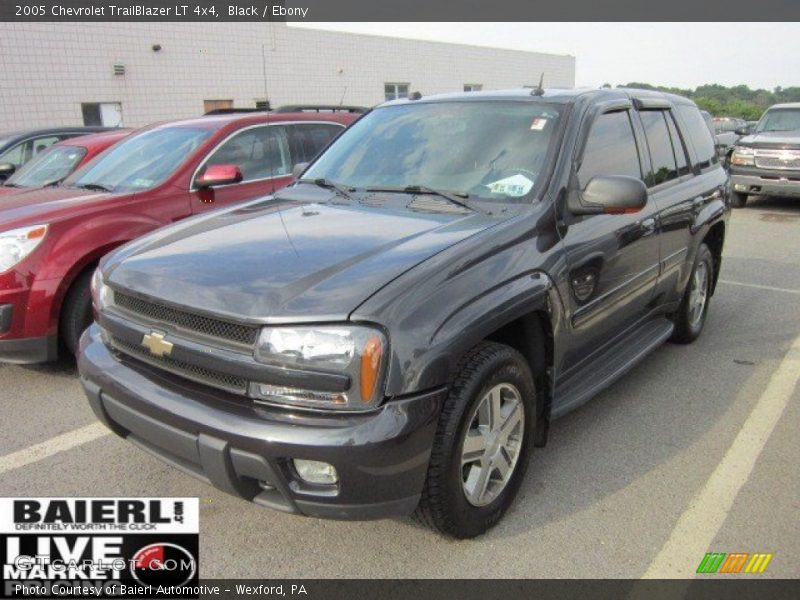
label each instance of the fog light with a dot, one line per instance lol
(314, 471)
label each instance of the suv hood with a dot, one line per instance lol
(41, 205)
(783, 140)
(287, 261)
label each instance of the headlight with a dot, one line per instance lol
(356, 351)
(16, 244)
(742, 155)
(101, 293)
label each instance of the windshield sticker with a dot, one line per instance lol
(516, 186)
(142, 183)
(538, 124)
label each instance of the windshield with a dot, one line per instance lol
(48, 167)
(783, 119)
(492, 150)
(140, 162)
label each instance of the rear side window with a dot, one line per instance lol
(699, 136)
(308, 139)
(677, 145)
(660, 145)
(610, 149)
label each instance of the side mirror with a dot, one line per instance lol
(610, 194)
(215, 175)
(298, 169)
(743, 130)
(6, 170)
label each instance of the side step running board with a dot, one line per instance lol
(610, 365)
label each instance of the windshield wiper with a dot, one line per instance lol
(95, 187)
(340, 189)
(458, 198)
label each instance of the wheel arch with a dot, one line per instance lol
(715, 239)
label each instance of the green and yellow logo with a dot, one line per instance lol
(720, 562)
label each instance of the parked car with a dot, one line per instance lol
(51, 239)
(17, 148)
(395, 331)
(766, 161)
(56, 163)
(725, 132)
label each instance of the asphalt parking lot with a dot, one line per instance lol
(695, 450)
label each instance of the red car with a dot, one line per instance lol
(52, 238)
(60, 160)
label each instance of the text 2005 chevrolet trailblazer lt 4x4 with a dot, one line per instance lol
(393, 333)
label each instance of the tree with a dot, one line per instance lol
(735, 101)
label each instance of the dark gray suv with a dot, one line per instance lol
(394, 332)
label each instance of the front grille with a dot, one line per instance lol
(216, 328)
(787, 160)
(230, 383)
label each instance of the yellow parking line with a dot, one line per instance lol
(760, 287)
(48, 448)
(698, 525)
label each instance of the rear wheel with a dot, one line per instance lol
(76, 315)
(480, 452)
(738, 200)
(690, 317)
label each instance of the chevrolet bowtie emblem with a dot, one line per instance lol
(156, 343)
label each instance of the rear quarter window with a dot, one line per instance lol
(696, 131)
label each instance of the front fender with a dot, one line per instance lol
(76, 246)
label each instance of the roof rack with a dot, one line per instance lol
(320, 108)
(232, 111)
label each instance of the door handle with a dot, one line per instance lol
(648, 226)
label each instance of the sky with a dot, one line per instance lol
(761, 55)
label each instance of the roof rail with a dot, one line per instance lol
(320, 108)
(232, 111)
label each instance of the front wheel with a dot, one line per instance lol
(480, 452)
(690, 317)
(76, 315)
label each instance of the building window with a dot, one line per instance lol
(473, 87)
(212, 105)
(393, 91)
(106, 114)
(263, 105)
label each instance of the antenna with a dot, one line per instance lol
(341, 100)
(264, 73)
(539, 89)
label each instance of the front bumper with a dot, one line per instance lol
(246, 449)
(765, 182)
(27, 332)
(29, 350)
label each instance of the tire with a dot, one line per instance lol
(444, 504)
(738, 200)
(688, 321)
(76, 315)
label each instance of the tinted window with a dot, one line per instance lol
(677, 145)
(699, 136)
(310, 138)
(493, 150)
(260, 153)
(658, 141)
(610, 149)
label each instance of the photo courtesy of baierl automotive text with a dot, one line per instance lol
(358, 300)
